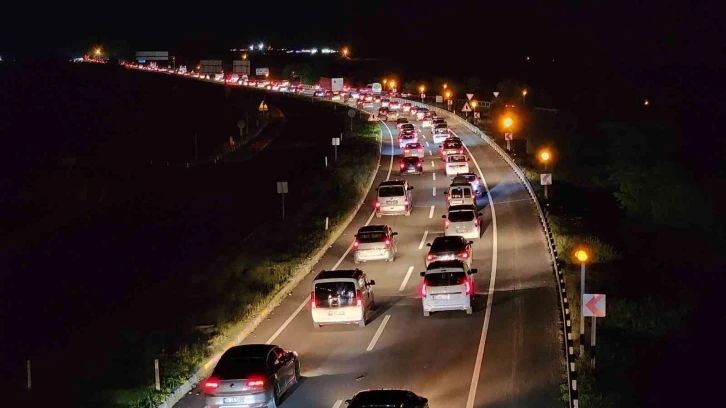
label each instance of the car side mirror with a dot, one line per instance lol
(471, 242)
(446, 193)
(394, 234)
(423, 274)
(410, 187)
(468, 159)
(479, 214)
(428, 244)
(372, 282)
(443, 216)
(347, 402)
(473, 271)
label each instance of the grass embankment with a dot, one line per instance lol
(233, 290)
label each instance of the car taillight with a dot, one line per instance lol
(467, 286)
(313, 301)
(429, 257)
(211, 384)
(358, 298)
(355, 245)
(461, 151)
(388, 243)
(446, 224)
(476, 222)
(405, 202)
(423, 289)
(403, 165)
(255, 384)
(419, 164)
(465, 254)
(377, 204)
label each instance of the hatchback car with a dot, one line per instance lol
(413, 150)
(450, 147)
(440, 132)
(456, 164)
(411, 165)
(394, 105)
(400, 122)
(394, 197)
(426, 121)
(450, 248)
(375, 243)
(462, 220)
(252, 375)
(341, 297)
(420, 112)
(382, 111)
(387, 398)
(447, 285)
(385, 103)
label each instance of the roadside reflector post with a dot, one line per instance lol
(326, 223)
(336, 143)
(157, 378)
(282, 190)
(30, 379)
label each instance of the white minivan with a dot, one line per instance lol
(341, 297)
(447, 285)
(460, 193)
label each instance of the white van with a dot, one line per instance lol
(447, 285)
(341, 297)
(394, 197)
(460, 193)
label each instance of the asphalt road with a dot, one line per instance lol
(507, 354)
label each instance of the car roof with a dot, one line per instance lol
(385, 398)
(448, 239)
(339, 274)
(468, 207)
(247, 350)
(372, 228)
(392, 183)
(446, 266)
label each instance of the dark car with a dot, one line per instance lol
(450, 248)
(411, 165)
(252, 374)
(387, 398)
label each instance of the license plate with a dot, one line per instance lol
(391, 202)
(447, 258)
(336, 313)
(441, 297)
(231, 400)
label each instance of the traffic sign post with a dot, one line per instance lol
(423, 95)
(282, 190)
(508, 138)
(593, 305)
(469, 96)
(351, 115)
(466, 109)
(477, 115)
(336, 143)
(495, 94)
(545, 180)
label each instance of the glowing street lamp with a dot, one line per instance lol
(385, 81)
(508, 122)
(244, 56)
(267, 74)
(392, 84)
(421, 90)
(474, 104)
(582, 256)
(345, 51)
(446, 86)
(545, 156)
(97, 52)
(524, 96)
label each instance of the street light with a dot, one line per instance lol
(267, 74)
(391, 84)
(446, 86)
(244, 56)
(582, 256)
(345, 51)
(98, 52)
(385, 81)
(524, 96)
(508, 122)
(421, 90)
(474, 104)
(544, 155)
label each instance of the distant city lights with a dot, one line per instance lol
(312, 51)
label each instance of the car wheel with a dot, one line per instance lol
(297, 372)
(276, 395)
(427, 313)
(316, 326)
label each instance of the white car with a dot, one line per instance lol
(385, 103)
(414, 150)
(447, 285)
(341, 297)
(426, 122)
(456, 164)
(462, 220)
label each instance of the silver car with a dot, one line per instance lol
(252, 375)
(462, 220)
(394, 197)
(375, 243)
(447, 286)
(450, 248)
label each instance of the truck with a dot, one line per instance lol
(210, 66)
(331, 84)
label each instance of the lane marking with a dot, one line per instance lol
(490, 293)
(434, 192)
(514, 201)
(307, 299)
(431, 213)
(338, 403)
(427, 144)
(423, 240)
(378, 333)
(431, 153)
(434, 175)
(405, 280)
(432, 164)
(390, 166)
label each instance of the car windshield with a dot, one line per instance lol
(373, 236)
(445, 278)
(456, 158)
(331, 294)
(446, 244)
(461, 216)
(390, 191)
(460, 193)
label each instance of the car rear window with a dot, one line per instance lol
(239, 367)
(456, 159)
(331, 294)
(460, 193)
(446, 244)
(461, 216)
(390, 191)
(452, 145)
(445, 278)
(407, 126)
(367, 237)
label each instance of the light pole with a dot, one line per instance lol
(448, 100)
(582, 256)
(474, 104)
(524, 97)
(508, 122)
(545, 157)
(423, 95)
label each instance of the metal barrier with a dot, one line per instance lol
(564, 303)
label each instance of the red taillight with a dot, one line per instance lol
(465, 254)
(255, 384)
(377, 204)
(461, 151)
(467, 284)
(476, 222)
(211, 384)
(313, 302)
(423, 289)
(355, 245)
(403, 165)
(388, 243)
(419, 164)
(358, 298)
(405, 202)
(430, 257)
(446, 224)
(406, 150)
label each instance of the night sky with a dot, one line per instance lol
(622, 35)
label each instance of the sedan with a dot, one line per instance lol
(387, 398)
(414, 150)
(406, 107)
(450, 248)
(394, 105)
(411, 165)
(252, 375)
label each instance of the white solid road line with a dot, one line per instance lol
(378, 333)
(490, 293)
(405, 280)
(338, 403)
(390, 166)
(431, 213)
(434, 192)
(423, 240)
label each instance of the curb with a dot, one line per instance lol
(555, 262)
(303, 271)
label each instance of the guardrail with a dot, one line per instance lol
(564, 303)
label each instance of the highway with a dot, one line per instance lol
(507, 354)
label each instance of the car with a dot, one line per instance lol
(406, 128)
(411, 165)
(319, 94)
(413, 110)
(383, 111)
(368, 104)
(421, 112)
(359, 103)
(375, 243)
(413, 150)
(462, 220)
(336, 96)
(426, 122)
(475, 181)
(392, 115)
(400, 122)
(385, 102)
(341, 297)
(450, 147)
(406, 107)
(450, 248)
(406, 138)
(447, 285)
(393, 197)
(369, 98)
(328, 94)
(252, 375)
(460, 193)
(438, 120)
(387, 398)
(456, 164)
(394, 105)
(440, 132)
(377, 98)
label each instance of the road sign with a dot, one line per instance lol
(439, 98)
(351, 113)
(282, 187)
(507, 136)
(262, 71)
(477, 115)
(469, 96)
(262, 107)
(451, 102)
(423, 95)
(593, 305)
(496, 94)
(466, 107)
(336, 141)
(545, 179)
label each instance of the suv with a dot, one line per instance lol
(451, 147)
(341, 297)
(387, 398)
(475, 181)
(394, 197)
(457, 164)
(447, 285)
(450, 248)
(440, 132)
(462, 220)
(375, 242)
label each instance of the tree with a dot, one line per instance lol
(300, 71)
